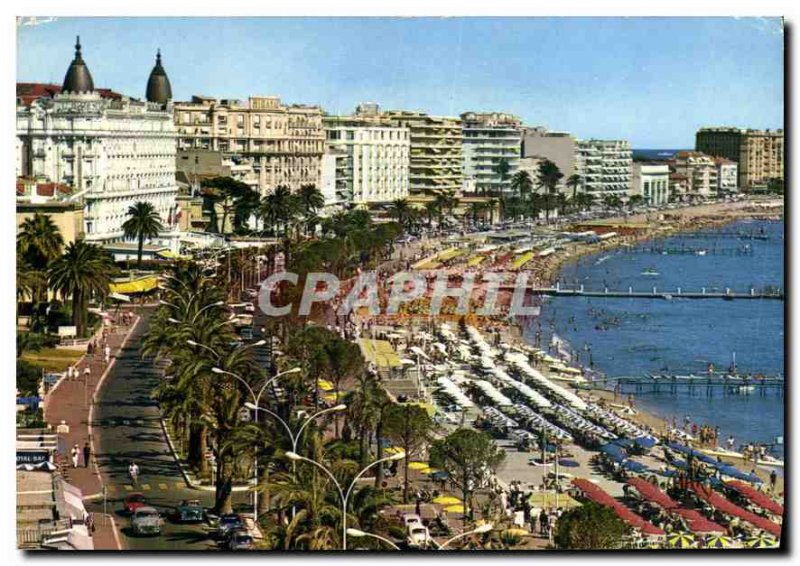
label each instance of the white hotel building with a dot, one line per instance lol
(112, 150)
(604, 167)
(371, 160)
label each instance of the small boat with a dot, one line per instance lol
(650, 271)
(668, 297)
(745, 389)
(701, 252)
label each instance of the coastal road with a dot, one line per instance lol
(127, 429)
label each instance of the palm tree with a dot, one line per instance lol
(39, 242)
(431, 211)
(143, 222)
(400, 210)
(522, 184)
(502, 168)
(84, 271)
(549, 176)
(279, 208)
(574, 181)
(312, 199)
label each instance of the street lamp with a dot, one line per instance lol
(355, 533)
(256, 398)
(345, 496)
(479, 530)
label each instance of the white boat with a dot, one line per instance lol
(745, 389)
(650, 271)
(701, 252)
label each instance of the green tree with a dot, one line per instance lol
(143, 222)
(548, 178)
(502, 169)
(410, 426)
(634, 201)
(400, 210)
(84, 271)
(522, 184)
(574, 181)
(39, 242)
(469, 457)
(590, 527)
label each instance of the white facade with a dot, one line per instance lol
(651, 181)
(604, 167)
(488, 138)
(372, 162)
(727, 176)
(114, 153)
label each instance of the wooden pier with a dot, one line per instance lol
(656, 293)
(691, 384)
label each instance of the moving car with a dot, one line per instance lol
(146, 521)
(189, 511)
(239, 539)
(229, 523)
(133, 502)
(418, 536)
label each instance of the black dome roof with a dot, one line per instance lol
(78, 78)
(158, 87)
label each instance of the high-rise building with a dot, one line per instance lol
(113, 151)
(435, 160)
(558, 147)
(700, 172)
(758, 153)
(372, 159)
(727, 176)
(283, 143)
(489, 138)
(604, 167)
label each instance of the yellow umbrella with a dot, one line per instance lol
(325, 385)
(446, 500)
(455, 508)
(417, 465)
(393, 450)
(329, 397)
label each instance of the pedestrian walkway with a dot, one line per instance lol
(70, 403)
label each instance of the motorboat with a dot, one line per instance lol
(650, 271)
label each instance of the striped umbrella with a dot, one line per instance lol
(718, 541)
(681, 540)
(446, 500)
(761, 540)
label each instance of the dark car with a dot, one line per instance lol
(133, 502)
(229, 523)
(189, 511)
(239, 539)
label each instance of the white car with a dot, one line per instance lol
(418, 536)
(411, 519)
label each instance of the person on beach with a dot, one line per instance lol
(74, 454)
(773, 481)
(731, 442)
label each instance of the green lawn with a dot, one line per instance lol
(52, 359)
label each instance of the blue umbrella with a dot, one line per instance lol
(568, 463)
(614, 452)
(646, 441)
(635, 466)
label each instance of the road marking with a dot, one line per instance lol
(179, 484)
(163, 487)
(146, 486)
(128, 488)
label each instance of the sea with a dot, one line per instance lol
(633, 337)
(655, 154)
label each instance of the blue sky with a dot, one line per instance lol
(652, 81)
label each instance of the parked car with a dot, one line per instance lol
(239, 539)
(411, 519)
(146, 521)
(133, 502)
(189, 511)
(418, 536)
(228, 523)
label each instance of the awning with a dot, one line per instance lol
(167, 254)
(142, 285)
(119, 297)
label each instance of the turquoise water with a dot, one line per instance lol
(631, 337)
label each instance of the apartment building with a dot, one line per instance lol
(371, 159)
(489, 138)
(700, 172)
(558, 147)
(651, 181)
(758, 153)
(282, 143)
(604, 167)
(727, 176)
(436, 154)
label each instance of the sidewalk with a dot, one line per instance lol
(71, 402)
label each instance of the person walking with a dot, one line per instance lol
(87, 372)
(74, 453)
(107, 354)
(87, 453)
(773, 481)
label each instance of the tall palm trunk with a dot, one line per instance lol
(141, 246)
(223, 487)
(379, 452)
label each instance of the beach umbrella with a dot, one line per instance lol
(568, 463)
(718, 541)
(681, 540)
(417, 465)
(761, 540)
(446, 500)
(393, 450)
(455, 508)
